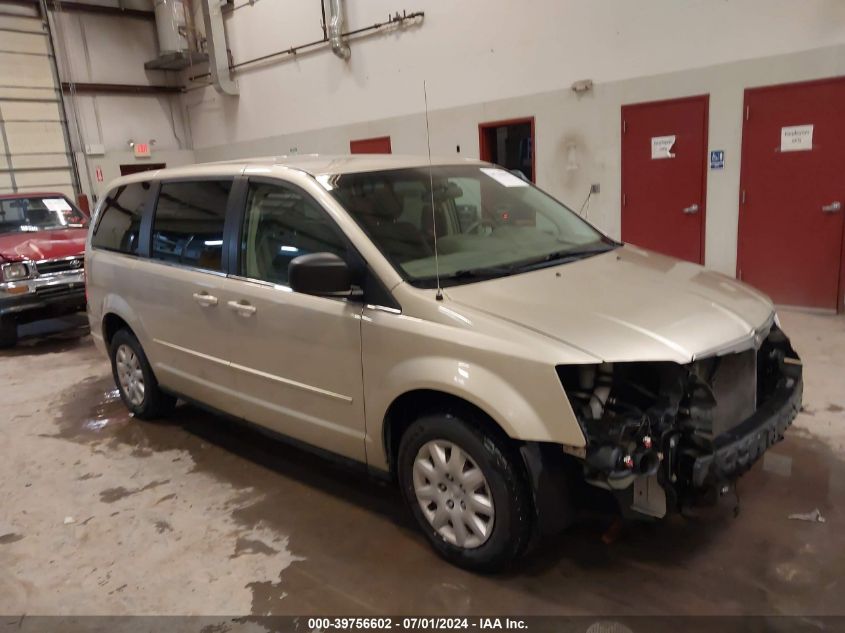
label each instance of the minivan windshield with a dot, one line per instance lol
(486, 222)
(39, 213)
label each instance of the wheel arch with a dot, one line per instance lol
(415, 403)
(112, 323)
(116, 314)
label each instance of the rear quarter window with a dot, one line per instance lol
(119, 224)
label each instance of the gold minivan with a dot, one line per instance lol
(446, 324)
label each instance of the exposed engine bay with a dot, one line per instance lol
(664, 436)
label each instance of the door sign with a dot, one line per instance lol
(661, 147)
(796, 138)
(717, 159)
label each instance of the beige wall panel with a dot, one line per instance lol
(40, 161)
(43, 178)
(26, 138)
(25, 71)
(23, 42)
(30, 111)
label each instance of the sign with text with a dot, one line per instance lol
(142, 150)
(796, 138)
(661, 147)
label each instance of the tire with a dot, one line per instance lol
(8, 333)
(509, 526)
(142, 397)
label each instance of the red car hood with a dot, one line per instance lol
(43, 244)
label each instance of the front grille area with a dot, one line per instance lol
(63, 265)
(53, 292)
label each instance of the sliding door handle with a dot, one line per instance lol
(242, 307)
(205, 300)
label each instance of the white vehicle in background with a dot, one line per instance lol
(446, 324)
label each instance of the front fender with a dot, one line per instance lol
(534, 408)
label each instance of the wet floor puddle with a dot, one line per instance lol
(365, 556)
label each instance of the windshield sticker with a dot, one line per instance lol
(57, 204)
(661, 147)
(504, 178)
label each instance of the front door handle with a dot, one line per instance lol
(833, 207)
(693, 208)
(205, 300)
(242, 307)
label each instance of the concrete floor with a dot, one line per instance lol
(102, 514)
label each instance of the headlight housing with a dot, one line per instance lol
(15, 271)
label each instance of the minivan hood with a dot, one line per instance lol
(52, 244)
(628, 304)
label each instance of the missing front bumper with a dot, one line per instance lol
(738, 449)
(703, 426)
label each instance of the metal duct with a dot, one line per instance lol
(218, 54)
(336, 20)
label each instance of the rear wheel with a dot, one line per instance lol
(8, 333)
(466, 488)
(135, 380)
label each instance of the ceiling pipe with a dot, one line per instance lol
(121, 89)
(397, 21)
(336, 19)
(221, 75)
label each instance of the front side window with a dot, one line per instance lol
(120, 220)
(282, 223)
(188, 225)
(486, 222)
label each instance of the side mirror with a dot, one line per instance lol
(319, 274)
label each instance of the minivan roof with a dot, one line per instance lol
(313, 164)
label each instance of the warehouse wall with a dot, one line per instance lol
(106, 49)
(474, 51)
(485, 62)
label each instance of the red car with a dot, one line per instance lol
(42, 246)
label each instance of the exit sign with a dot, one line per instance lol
(142, 150)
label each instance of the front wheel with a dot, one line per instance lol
(135, 380)
(466, 488)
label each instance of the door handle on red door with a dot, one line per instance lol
(242, 308)
(693, 208)
(833, 207)
(205, 300)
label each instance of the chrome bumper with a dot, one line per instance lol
(39, 292)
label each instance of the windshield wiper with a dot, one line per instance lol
(476, 273)
(562, 256)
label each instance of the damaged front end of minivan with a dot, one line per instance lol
(663, 437)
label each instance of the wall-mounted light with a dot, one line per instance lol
(130, 143)
(584, 85)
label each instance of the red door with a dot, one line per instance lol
(379, 145)
(664, 147)
(793, 192)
